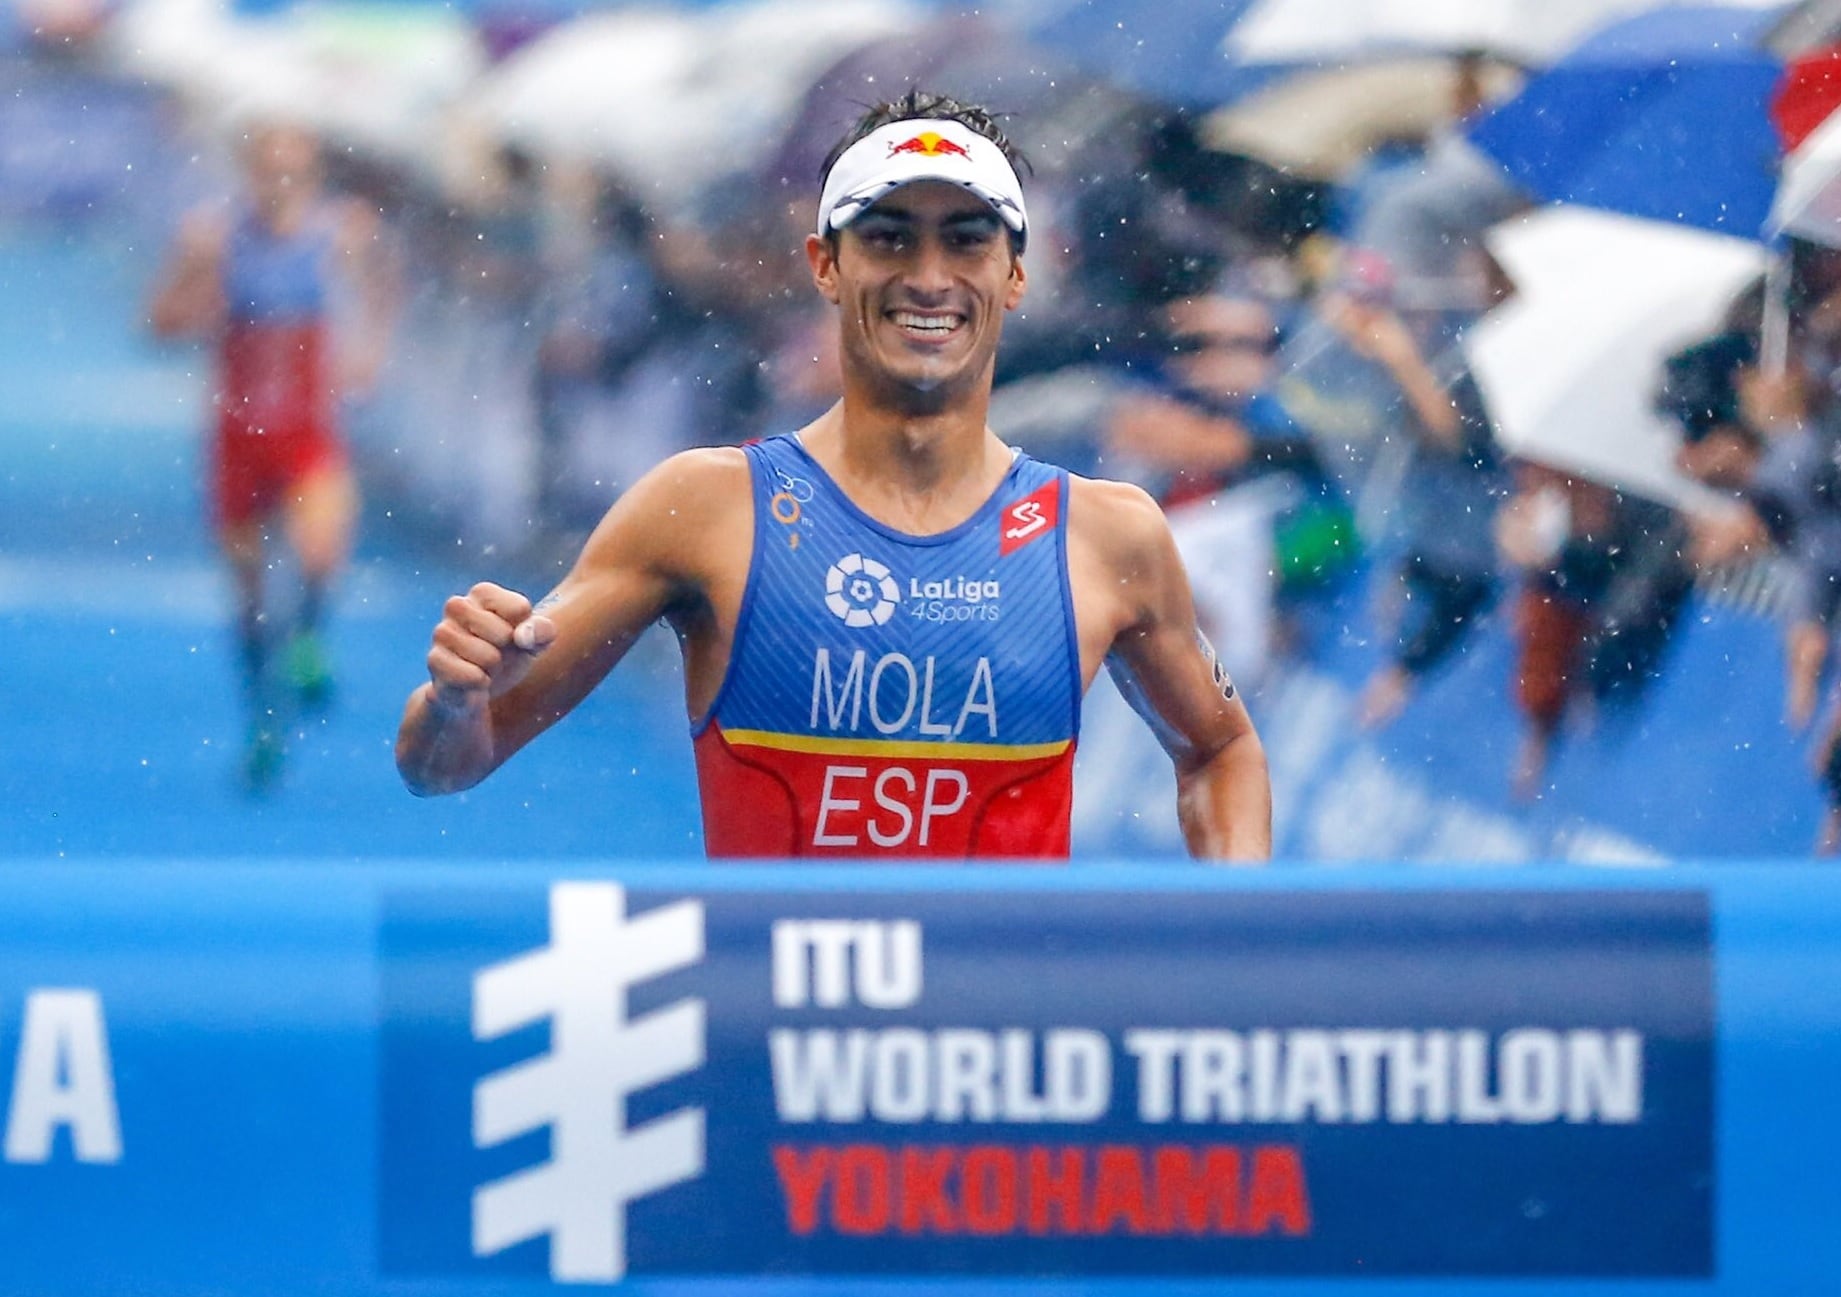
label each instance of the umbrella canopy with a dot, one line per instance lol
(673, 99)
(1320, 123)
(1809, 92)
(378, 79)
(1170, 52)
(1532, 32)
(1569, 365)
(1808, 204)
(960, 54)
(1662, 116)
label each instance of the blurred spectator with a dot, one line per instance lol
(1446, 578)
(499, 236)
(1603, 585)
(1426, 217)
(1195, 433)
(468, 434)
(1389, 402)
(1796, 494)
(1724, 429)
(1557, 531)
(1700, 391)
(1249, 500)
(1147, 230)
(1359, 380)
(805, 373)
(606, 304)
(1774, 438)
(1650, 584)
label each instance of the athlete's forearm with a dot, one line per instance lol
(188, 302)
(444, 747)
(1225, 804)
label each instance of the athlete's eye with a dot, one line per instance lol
(885, 238)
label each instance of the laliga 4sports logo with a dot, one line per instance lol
(861, 591)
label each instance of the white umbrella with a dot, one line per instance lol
(1526, 31)
(1569, 365)
(374, 78)
(1322, 122)
(1808, 203)
(675, 98)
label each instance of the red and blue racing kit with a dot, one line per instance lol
(896, 695)
(277, 407)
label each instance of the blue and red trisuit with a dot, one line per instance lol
(896, 695)
(277, 399)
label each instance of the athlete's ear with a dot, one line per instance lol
(822, 253)
(1018, 282)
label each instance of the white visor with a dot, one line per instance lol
(903, 152)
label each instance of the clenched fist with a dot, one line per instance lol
(486, 643)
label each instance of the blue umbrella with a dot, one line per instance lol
(1663, 116)
(1171, 52)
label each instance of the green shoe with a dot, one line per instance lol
(309, 673)
(262, 759)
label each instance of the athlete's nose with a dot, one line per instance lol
(928, 274)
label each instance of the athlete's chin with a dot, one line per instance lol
(933, 373)
(929, 389)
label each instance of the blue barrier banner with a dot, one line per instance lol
(512, 1077)
(583, 1081)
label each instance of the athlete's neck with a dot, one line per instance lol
(921, 474)
(284, 215)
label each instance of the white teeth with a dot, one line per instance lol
(925, 323)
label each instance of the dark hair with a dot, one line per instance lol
(920, 104)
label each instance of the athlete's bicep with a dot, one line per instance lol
(1164, 665)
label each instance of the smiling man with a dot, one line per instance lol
(889, 617)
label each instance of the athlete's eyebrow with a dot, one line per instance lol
(881, 215)
(983, 220)
(889, 213)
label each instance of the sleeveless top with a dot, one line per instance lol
(895, 695)
(275, 373)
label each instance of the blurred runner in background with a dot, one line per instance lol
(263, 277)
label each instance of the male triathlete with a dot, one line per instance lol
(259, 280)
(888, 618)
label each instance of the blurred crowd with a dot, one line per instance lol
(1279, 352)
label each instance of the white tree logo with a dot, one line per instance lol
(597, 1058)
(861, 591)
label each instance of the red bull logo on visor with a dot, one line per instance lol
(929, 144)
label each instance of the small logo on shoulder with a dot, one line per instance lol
(1034, 515)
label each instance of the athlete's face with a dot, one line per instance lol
(922, 280)
(283, 166)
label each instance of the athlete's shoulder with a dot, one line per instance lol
(688, 488)
(686, 515)
(204, 230)
(352, 224)
(1114, 517)
(704, 469)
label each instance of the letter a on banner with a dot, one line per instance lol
(62, 1078)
